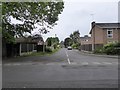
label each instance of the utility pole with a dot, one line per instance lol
(92, 15)
(55, 41)
(93, 45)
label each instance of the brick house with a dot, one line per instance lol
(101, 34)
(104, 33)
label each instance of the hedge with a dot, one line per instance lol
(109, 49)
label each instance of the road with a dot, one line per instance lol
(64, 69)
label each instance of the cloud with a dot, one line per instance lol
(77, 16)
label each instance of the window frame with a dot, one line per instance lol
(109, 34)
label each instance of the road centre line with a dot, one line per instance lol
(115, 63)
(67, 55)
(106, 63)
(98, 63)
(16, 64)
(69, 61)
(84, 63)
(7, 64)
(68, 58)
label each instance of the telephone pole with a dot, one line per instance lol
(92, 15)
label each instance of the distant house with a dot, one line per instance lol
(86, 43)
(101, 34)
(22, 45)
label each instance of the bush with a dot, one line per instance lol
(48, 49)
(112, 48)
(117, 48)
(55, 46)
(109, 49)
(98, 50)
(76, 46)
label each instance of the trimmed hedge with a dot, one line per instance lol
(109, 49)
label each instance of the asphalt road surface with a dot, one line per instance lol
(64, 69)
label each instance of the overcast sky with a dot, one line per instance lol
(78, 15)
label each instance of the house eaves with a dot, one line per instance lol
(106, 26)
(27, 40)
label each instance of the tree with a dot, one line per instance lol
(56, 40)
(45, 14)
(0, 22)
(67, 42)
(62, 44)
(52, 40)
(75, 37)
(49, 42)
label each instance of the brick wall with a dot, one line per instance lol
(86, 44)
(115, 38)
(99, 37)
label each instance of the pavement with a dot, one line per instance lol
(64, 69)
(99, 55)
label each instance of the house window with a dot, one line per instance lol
(110, 33)
(86, 40)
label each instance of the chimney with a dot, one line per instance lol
(93, 24)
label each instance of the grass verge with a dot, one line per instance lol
(41, 53)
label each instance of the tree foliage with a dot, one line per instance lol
(52, 40)
(73, 40)
(67, 42)
(75, 36)
(45, 14)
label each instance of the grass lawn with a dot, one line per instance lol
(41, 53)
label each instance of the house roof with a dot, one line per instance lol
(28, 40)
(105, 25)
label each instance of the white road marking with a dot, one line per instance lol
(67, 57)
(84, 63)
(27, 63)
(74, 63)
(107, 63)
(7, 64)
(16, 64)
(68, 61)
(97, 63)
(115, 63)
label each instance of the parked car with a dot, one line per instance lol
(69, 48)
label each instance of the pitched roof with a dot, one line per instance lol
(107, 25)
(28, 40)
